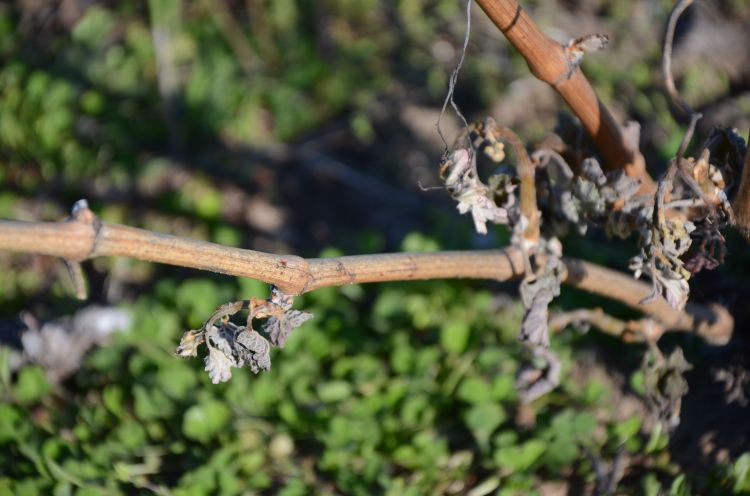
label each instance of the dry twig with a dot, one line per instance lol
(741, 203)
(85, 236)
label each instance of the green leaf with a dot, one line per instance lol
(176, 379)
(59, 473)
(252, 287)
(520, 458)
(627, 429)
(503, 387)
(334, 391)
(294, 487)
(5, 371)
(561, 452)
(637, 382)
(199, 297)
(29, 487)
(454, 336)
(658, 440)
(741, 474)
(112, 397)
(595, 392)
(131, 434)
(205, 420)
(483, 419)
(651, 486)
(151, 404)
(584, 425)
(418, 242)
(679, 487)
(93, 27)
(474, 390)
(10, 418)
(32, 385)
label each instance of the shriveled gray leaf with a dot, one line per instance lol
(539, 377)
(588, 194)
(279, 328)
(534, 328)
(254, 350)
(279, 298)
(220, 358)
(564, 206)
(675, 237)
(632, 217)
(482, 209)
(460, 164)
(592, 171)
(671, 284)
(464, 185)
(536, 295)
(190, 342)
(218, 365)
(675, 290)
(660, 260)
(664, 383)
(620, 186)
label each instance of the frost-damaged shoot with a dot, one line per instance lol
(232, 346)
(678, 238)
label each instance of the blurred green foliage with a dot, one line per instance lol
(400, 389)
(407, 389)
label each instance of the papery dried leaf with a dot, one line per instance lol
(636, 264)
(590, 198)
(562, 207)
(536, 295)
(279, 328)
(620, 186)
(631, 132)
(632, 217)
(457, 166)
(663, 250)
(482, 210)
(221, 338)
(282, 300)
(220, 358)
(254, 350)
(590, 42)
(591, 170)
(189, 343)
(534, 328)
(218, 365)
(708, 249)
(676, 291)
(502, 187)
(664, 383)
(675, 236)
(569, 206)
(667, 282)
(539, 377)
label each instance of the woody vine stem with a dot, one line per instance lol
(84, 236)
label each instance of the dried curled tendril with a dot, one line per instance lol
(232, 346)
